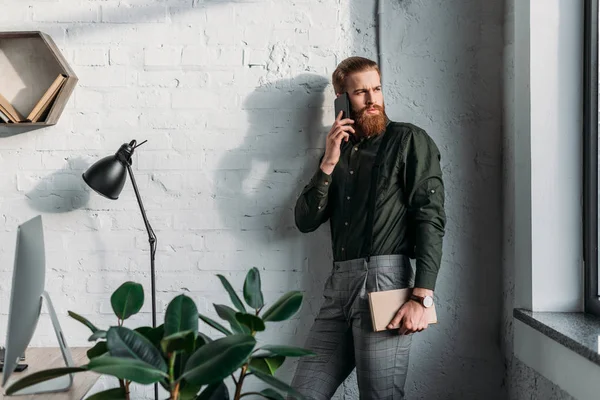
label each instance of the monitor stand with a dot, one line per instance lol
(61, 383)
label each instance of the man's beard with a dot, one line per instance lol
(370, 124)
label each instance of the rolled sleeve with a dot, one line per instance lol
(427, 219)
(312, 206)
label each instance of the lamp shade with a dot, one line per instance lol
(107, 176)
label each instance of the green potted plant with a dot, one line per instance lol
(186, 362)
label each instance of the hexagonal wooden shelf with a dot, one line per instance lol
(29, 64)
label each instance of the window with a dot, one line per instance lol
(590, 158)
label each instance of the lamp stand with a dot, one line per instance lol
(152, 240)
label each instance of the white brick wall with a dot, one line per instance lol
(215, 88)
(234, 98)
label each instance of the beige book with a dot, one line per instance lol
(8, 110)
(3, 117)
(385, 304)
(46, 100)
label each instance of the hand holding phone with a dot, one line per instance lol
(342, 103)
(340, 130)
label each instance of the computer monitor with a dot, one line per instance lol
(26, 300)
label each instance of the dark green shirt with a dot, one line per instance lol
(408, 216)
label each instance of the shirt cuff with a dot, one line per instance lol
(425, 280)
(321, 181)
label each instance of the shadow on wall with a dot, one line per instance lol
(258, 183)
(60, 192)
(12, 131)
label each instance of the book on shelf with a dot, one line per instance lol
(4, 118)
(43, 105)
(9, 111)
(39, 112)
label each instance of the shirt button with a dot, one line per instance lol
(345, 223)
(319, 207)
(351, 172)
(343, 249)
(432, 190)
(348, 198)
(356, 149)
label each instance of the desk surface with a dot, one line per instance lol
(40, 358)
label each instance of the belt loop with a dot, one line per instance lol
(368, 258)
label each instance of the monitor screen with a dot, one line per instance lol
(26, 291)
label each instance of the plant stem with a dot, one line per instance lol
(172, 357)
(125, 388)
(238, 387)
(175, 392)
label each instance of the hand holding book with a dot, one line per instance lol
(385, 304)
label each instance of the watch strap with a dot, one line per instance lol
(416, 298)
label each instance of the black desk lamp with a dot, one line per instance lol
(107, 177)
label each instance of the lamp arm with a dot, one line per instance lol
(151, 239)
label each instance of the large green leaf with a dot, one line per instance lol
(181, 315)
(228, 314)
(83, 321)
(202, 339)
(181, 360)
(110, 394)
(237, 303)
(215, 324)
(127, 300)
(144, 330)
(253, 322)
(267, 365)
(188, 391)
(127, 368)
(41, 376)
(154, 335)
(277, 384)
(180, 341)
(271, 394)
(216, 391)
(284, 308)
(125, 343)
(216, 360)
(99, 334)
(252, 290)
(99, 349)
(287, 351)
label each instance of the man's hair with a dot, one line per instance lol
(349, 66)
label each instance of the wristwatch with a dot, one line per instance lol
(425, 301)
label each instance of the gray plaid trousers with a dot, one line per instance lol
(342, 335)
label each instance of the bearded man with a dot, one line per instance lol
(380, 185)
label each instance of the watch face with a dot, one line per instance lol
(428, 301)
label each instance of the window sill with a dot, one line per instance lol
(578, 332)
(562, 347)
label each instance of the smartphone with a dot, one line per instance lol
(342, 103)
